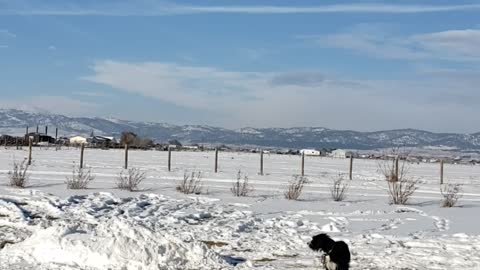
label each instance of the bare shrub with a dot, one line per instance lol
(19, 176)
(80, 178)
(130, 179)
(295, 187)
(401, 186)
(241, 187)
(339, 188)
(451, 194)
(191, 183)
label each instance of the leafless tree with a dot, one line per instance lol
(191, 183)
(19, 175)
(295, 187)
(450, 193)
(130, 179)
(80, 179)
(241, 187)
(395, 168)
(339, 188)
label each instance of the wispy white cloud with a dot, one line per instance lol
(90, 94)
(160, 8)
(454, 45)
(462, 44)
(296, 98)
(5, 37)
(7, 34)
(52, 48)
(53, 104)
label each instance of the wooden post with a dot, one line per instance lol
(169, 158)
(37, 137)
(26, 136)
(6, 142)
(16, 142)
(441, 172)
(216, 160)
(303, 163)
(56, 134)
(81, 155)
(29, 151)
(396, 169)
(351, 167)
(126, 156)
(261, 162)
(46, 130)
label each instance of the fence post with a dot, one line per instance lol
(126, 156)
(303, 163)
(169, 158)
(81, 155)
(16, 142)
(351, 167)
(216, 160)
(396, 168)
(261, 162)
(29, 150)
(6, 142)
(441, 172)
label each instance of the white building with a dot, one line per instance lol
(78, 140)
(310, 152)
(340, 153)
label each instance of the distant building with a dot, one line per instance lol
(6, 138)
(341, 153)
(310, 152)
(78, 140)
(191, 147)
(63, 141)
(40, 138)
(100, 141)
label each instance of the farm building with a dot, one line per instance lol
(78, 140)
(40, 138)
(310, 152)
(341, 153)
(100, 141)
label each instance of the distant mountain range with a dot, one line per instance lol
(14, 122)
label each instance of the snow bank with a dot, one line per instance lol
(101, 231)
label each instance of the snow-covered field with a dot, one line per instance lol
(47, 226)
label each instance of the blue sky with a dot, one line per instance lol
(363, 65)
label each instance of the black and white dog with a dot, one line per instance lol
(336, 253)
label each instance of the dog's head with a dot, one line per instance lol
(321, 242)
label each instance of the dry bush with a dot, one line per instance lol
(80, 178)
(191, 183)
(19, 176)
(295, 187)
(339, 188)
(401, 186)
(451, 194)
(402, 190)
(131, 179)
(241, 187)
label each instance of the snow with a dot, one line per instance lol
(47, 226)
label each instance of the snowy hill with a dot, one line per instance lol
(15, 121)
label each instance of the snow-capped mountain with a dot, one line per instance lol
(15, 121)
